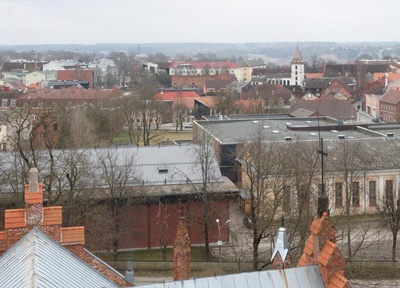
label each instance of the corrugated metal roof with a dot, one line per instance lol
(297, 277)
(38, 261)
(148, 166)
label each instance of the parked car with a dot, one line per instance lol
(190, 125)
(376, 120)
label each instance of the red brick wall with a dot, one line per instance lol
(140, 225)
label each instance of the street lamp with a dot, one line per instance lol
(219, 240)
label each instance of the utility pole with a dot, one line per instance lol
(322, 197)
(220, 241)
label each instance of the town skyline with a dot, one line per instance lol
(178, 21)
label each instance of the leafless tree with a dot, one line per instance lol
(267, 172)
(115, 174)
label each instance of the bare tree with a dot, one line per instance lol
(267, 172)
(116, 172)
(391, 210)
(163, 228)
(179, 113)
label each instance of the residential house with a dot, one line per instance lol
(337, 109)
(12, 84)
(213, 87)
(248, 66)
(174, 98)
(372, 94)
(21, 65)
(316, 85)
(346, 85)
(93, 76)
(276, 98)
(389, 106)
(34, 240)
(39, 76)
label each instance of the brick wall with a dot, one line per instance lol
(140, 225)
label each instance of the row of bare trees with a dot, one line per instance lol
(283, 178)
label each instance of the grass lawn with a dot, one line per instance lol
(123, 138)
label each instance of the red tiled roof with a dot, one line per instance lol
(188, 102)
(391, 96)
(326, 253)
(73, 235)
(14, 218)
(208, 101)
(71, 93)
(382, 76)
(338, 281)
(52, 215)
(308, 248)
(314, 75)
(172, 95)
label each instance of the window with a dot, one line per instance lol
(40, 104)
(389, 192)
(4, 102)
(33, 117)
(286, 198)
(372, 193)
(13, 103)
(338, 194)
(100, 104)
(55, 126)
(355, 194)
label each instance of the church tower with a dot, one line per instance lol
(297, 69)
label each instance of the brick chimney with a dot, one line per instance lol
(33, 199)
(182, 248)
(281, 258)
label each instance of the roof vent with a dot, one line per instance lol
(162, 170)
(255, 122)
(390, 135)
(288, 138)
(313, 134)
(334, 131)
(275, 131)
(341, 136)
(309, 122)
(266, 127)
(288, 123)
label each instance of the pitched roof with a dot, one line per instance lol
(306, 276)
(392, 96)
(172, 95)
(338, 109)
(71, 93)
(38, 261)
(217, 83)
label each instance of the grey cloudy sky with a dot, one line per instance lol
(150, 21)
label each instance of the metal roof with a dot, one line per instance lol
(297, 277)
(143, 166)
(38, 261)
(238, 131)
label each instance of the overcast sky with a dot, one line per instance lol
(151, 21)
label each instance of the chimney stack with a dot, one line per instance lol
(33, 199)
(182, 249)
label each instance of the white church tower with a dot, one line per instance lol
(297, 69)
